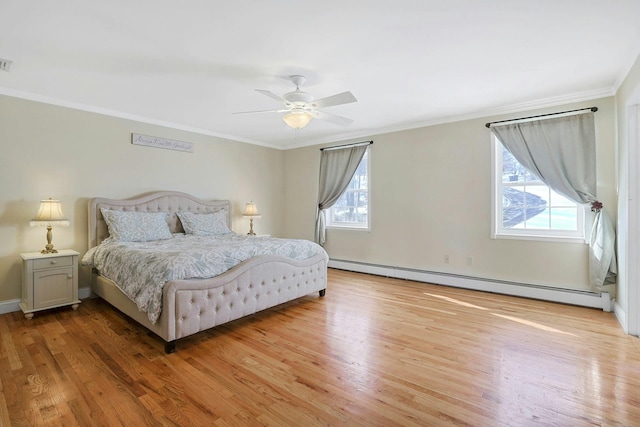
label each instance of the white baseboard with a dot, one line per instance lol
(546, 293)
(621, 316)
(84, 292)
(565, 296)
(9, 306)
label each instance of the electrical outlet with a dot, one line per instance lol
(446, 259)
(5, 64)
(469, 260)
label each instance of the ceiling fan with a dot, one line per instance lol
(301, 107)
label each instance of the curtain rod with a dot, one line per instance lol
(347, 145)
(593, 109)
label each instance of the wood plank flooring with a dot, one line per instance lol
(373, 352)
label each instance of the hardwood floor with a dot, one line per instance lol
(373, 352)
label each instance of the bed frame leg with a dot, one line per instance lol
(170, 347)
(322, 292)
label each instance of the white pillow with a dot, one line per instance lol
(136, 226)
(209, 224)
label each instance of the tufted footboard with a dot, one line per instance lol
(191, 306)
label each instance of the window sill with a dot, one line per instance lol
(347, 227)
(557, 239)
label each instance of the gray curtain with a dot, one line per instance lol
(561, 152)
(337, 167)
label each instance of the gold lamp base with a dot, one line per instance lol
(251, 233)
(48, 249)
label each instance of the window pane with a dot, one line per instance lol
(564, 219)
(352, 208)
(512, 206)
(362, 210)
(514, 196)
(512, 217)
(527, 204)
(513, 171)
(561, 201)
(536, 196)
(537, 219)
(519, 206)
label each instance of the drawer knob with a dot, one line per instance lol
(53, 262)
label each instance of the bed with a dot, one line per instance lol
(191, 305)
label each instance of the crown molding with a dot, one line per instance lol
(121, 115)
(365, 133)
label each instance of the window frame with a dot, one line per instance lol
(500, 232)
(351, 226)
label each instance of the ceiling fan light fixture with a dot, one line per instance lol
(297, 119)
(300, 107)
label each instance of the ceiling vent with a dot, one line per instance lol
(5, 64)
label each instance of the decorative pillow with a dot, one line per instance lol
(209, 224)
(136, 226)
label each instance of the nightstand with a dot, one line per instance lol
(49, 280)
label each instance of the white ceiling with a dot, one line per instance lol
(191, 64)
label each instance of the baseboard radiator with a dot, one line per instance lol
(9, 306)
(546, 293)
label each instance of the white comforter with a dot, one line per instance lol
(141, 269)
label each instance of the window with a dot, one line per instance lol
(352, 208)
(524, 207)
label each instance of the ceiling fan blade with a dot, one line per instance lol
(331, 118)
(339, 99)
(273, 96)
(260, 111)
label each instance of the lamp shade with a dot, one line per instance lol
(297, 119)
(251, 210)
(50, 213)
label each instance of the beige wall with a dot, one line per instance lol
(431, 196)
(430, 190)
(50, 151)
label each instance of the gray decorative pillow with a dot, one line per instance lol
(136, 226)
(209, 224)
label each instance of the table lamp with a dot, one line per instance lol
(251, 211)
(49, 214)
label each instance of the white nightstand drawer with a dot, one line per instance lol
(62, 261)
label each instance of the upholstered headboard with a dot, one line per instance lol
(163, 201)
